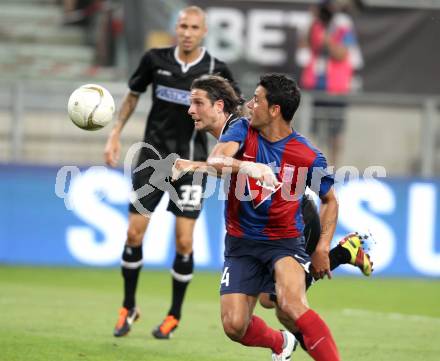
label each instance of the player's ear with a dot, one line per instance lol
(275, 110)
(219, 106)
(205, 25)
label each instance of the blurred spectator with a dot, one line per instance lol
(108, 26)
(102, 27)
(135, 19)
(78, 12)
(326, 53)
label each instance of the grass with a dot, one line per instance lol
(68, 314)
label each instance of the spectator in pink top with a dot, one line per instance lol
(329, 54)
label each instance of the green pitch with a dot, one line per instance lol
(68, 314)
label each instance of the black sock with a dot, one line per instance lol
(130, 266)
(300, 339)
(339, 255)
(182, 272)
(309, 280)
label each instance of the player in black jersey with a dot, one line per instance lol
(170, 130)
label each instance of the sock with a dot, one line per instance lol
(317, 337)
(260, 335)
(131, 265)
(339, 255)
(309, 280)
(182, 272)
(300, 338)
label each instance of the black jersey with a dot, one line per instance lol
(231, 120)
(169, 127)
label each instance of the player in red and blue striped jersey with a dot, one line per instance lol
(265, 234)
(214, 108)
(271, 214)
(264, 240)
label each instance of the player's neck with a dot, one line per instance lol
(276, 131)
(217, 131)
(187, 57)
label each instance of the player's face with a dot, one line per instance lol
(190, 31)
(259, 109)
(203, 112)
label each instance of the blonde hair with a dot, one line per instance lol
(195, 10)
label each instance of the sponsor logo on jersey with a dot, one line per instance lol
(173, 95)
(248, 156)
(164, 72)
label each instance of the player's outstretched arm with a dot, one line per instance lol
(113, 146)
(221, 159)
(221, 163)
(182, 166)
(329, 218)
(218, 162)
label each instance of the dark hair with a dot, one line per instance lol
(218, 88)
(282, 91)
(326, 11)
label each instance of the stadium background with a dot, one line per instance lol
(392, 122)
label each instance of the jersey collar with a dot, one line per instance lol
(185, 66)
(226, 125)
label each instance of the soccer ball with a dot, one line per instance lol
(91, 107)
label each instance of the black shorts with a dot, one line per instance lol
(151, 182)
(249, 265)
(312, 224)
(329, 117)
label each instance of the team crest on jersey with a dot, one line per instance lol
(259, 192)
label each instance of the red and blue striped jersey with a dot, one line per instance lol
(255, 212)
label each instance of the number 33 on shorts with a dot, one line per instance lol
(190, 196)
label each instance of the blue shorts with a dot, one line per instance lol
(249, 264)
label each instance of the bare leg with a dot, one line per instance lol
(292, 310)
(236, 313)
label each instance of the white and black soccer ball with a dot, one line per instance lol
(91, 107)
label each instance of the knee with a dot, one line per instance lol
(234, 327)
(134, 237)
(265, 301)
(184, 245)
